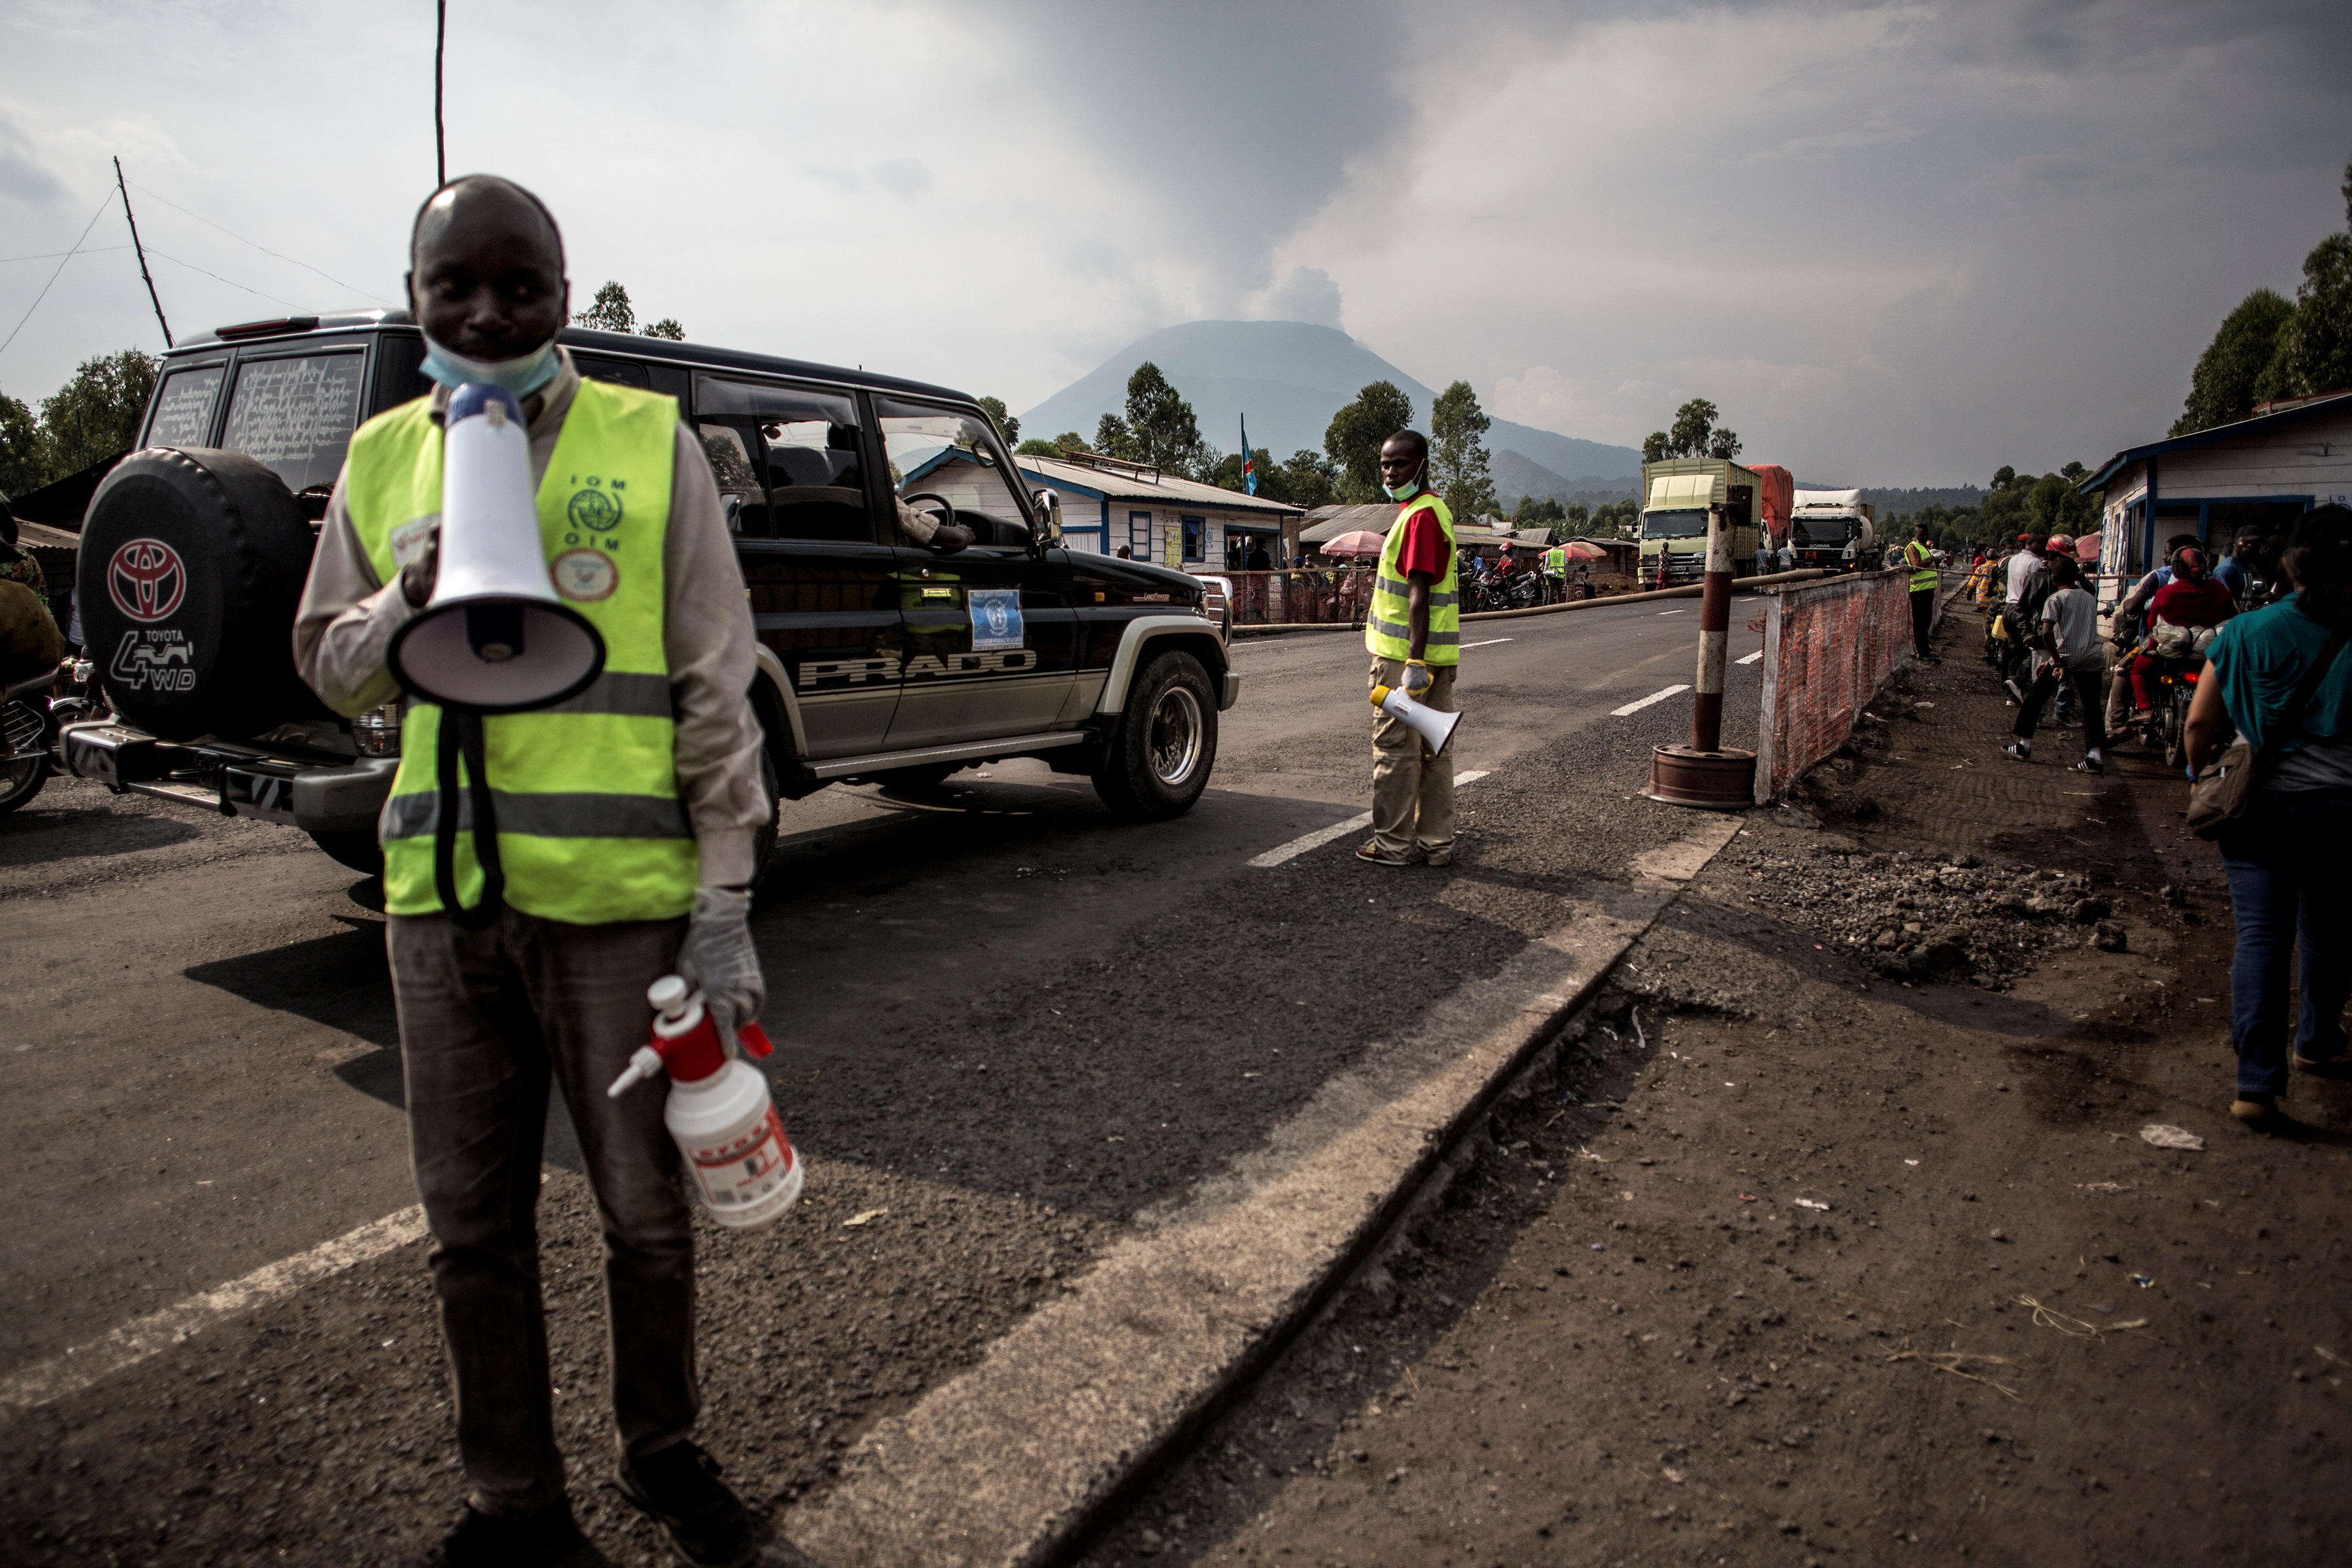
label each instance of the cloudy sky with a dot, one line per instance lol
(1899, 244)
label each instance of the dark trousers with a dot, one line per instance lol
(2085, 684)
(487, 1020)
(1923, 618)
(2290, 867)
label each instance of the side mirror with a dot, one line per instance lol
(1049, 517)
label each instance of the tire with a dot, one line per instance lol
(1159, 759)
(360, 851)
(22, 775)
(763, 841)
(191, 565)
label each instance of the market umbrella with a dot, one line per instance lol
(1362, 542)
(1577, 550)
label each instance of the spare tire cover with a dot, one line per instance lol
(191, 562)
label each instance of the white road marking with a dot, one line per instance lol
(1485, 642)
(1752, 657)
(1683, 610)
(1644, 702)
(1322, 835)
(151, 1335)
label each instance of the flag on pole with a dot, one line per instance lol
(1249, 464)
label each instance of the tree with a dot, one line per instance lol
(2221, 388)
(1007, 426)
(1034, 448)
(2003, 476)
(2315, 348)
(1354, 436)
(1112, 438)
(1693, 435)
(96, 415)
(1309, 479)
(24, 457)
(2055, 506)
(611, 311)
(1534, 511)
(1457, 455)
(2071, 472)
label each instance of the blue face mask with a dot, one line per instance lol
(520, 377)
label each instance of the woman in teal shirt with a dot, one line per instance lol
(2289, 859)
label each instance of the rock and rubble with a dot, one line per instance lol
(1956, 917)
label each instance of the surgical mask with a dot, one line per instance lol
(1404, 491)
(520, 377)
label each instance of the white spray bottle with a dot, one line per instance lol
(718, 1110)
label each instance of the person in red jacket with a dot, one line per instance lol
(2192, 602)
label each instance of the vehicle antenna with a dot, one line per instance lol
(440, 140)
(141, 251)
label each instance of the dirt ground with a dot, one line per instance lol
(1797, 1255)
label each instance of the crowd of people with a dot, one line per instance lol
(2198, 653)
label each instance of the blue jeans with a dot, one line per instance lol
(2290, 865)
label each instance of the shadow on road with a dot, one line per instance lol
(339, 981)
(43, 838)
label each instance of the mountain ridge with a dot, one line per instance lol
(1289, 378)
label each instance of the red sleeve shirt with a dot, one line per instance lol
(1424, 546)
(2204, 603)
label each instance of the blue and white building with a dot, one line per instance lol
(1107, 504)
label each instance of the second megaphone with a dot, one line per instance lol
(494, 638)
(1431, 725)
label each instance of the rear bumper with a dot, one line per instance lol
(235, 781)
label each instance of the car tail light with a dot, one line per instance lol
(376, 732)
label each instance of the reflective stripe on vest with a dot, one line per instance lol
(1555, 560)
(1921, 555)
(1388, 624)
(591, 826)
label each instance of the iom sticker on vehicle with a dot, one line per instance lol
(996, 618)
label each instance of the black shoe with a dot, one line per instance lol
(679, 1488)
(548, 1538)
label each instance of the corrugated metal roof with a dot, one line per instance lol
(1330, 522)
(1165, 490)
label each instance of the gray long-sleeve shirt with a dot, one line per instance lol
(347, 618)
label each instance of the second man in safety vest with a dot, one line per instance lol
(1413, 633)
(1920, 556)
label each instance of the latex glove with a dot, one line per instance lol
(718, 960)
(1417, 677)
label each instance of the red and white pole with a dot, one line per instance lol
(1703, 774)
(1714, 635)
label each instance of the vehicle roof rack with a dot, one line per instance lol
(269, 329)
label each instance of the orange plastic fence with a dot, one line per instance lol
(1828, 648)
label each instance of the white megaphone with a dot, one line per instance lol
(494, 638)
(1432, 726)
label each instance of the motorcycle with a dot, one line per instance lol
(2175, 684)
(1526, 590)
(32, 712)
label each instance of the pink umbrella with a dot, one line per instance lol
(1577, 550)
(1362, 542)
(2086, 549)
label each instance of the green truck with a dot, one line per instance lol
(1675, 495)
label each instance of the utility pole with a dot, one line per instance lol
(141, 251)
(440, 138)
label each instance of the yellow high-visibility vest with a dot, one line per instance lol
(1388, 629)
(590, 828)
(1920, 556)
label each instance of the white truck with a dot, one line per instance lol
(1834, 530)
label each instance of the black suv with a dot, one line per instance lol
(878, 659)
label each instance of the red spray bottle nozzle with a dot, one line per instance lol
(685, 1043)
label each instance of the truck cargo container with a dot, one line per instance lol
(1675, 495)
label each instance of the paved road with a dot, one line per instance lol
(199, 1076)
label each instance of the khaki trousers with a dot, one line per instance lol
(1412, 790)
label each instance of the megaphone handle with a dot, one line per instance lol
(465, 729)
(754, 1040)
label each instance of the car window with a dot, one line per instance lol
(729, 449)
(184, 409)
(297, 416)
(811, 454)
(940, 452)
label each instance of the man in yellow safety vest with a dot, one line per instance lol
(625, 822)
(1413, 632)
(1920, 556)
